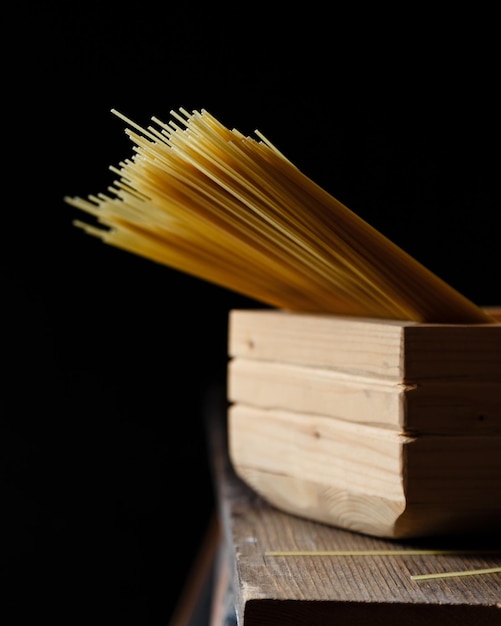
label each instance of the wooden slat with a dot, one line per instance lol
(405, 352)
(354, 590)
(366, 478)
(436, 407)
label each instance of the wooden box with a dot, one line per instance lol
(388, 428)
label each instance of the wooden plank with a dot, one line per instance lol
(318, 341)
(400, 351)
(437, 407)
(352, 590)
(367, 478)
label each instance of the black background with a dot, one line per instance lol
(105, 483)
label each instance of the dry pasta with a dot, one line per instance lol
(233, 210)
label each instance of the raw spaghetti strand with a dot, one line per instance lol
(468, 572)
(233, 210)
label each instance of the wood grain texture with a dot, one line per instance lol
(401, 351)
(377, 426)
(434, 407)
(352, 590)
(366, 478)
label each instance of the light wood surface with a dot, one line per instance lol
(435, 407)
(367, 478)
(400, 351)
(382, 427)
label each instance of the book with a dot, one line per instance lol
(383, 427)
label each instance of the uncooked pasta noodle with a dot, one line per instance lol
(233, 210)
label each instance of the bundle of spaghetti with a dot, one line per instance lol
(233, 210)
